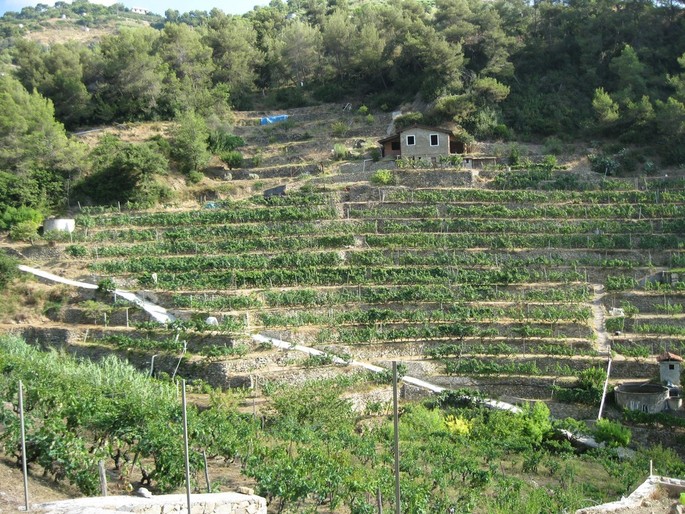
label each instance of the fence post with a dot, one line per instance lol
(23, 445)
(103, 478)
(185, 441)
(397, 438)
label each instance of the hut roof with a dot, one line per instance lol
(668, 356)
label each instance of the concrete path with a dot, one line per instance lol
(598, 322)
(285, 345)
(160, 314)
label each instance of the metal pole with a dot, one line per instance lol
(604, 392)
(152, 364)
(396, 422)
(185, 440)
(23, 445)
(204, 456)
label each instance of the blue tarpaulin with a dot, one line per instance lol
(268, 120)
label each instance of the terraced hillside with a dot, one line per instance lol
(504, 284)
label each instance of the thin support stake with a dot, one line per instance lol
(185, 440)
(396, 423)
(103, 478)
(204, 456)
(23, 445)
(604, 392)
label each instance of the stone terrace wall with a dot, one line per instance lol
(216, 503)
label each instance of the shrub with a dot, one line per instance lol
(369, 119)
(24, 231)
(77, 250)
(363, 110)
(514, 155)
(8, 269)
(221, 141)
(13, 215)
(340, 152)
(257, 158)
(339, 129)
(407, 120)
(458, 426)
(195, 177)
(612, 433)
(549, 161)
(375, 154)
(106, 285)
(383, 178)
(232, 158)
(553, 145)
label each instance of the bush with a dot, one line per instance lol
(383, 178)
(329, 93)
(407, 120)
(77, 250)
(14, 215)
(375, 154)
(220, 141)
(106, 285)
(514, 155)
(195, 177)
(340, 152)
(612, 433)
(24, 231)
(232, 158)
(8, 269)
(554, 145)
(339, 129)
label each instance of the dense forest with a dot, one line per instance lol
(500, 69)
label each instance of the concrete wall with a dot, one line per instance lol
(422, 146)
(652, 400)
(216, 503)
(646, 491)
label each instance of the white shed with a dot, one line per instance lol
(59, 224)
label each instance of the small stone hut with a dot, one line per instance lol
(669, 368)
(421, 141)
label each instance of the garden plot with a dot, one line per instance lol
(479, 282)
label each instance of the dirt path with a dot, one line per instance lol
(598, 323)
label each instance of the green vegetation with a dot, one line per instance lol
(311, 449)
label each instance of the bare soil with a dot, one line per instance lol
(41, 490)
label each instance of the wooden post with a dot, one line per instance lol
(204, 456)
(185, 441)
(379, 500)
(396, 438)
(103, 478)
(23, 445)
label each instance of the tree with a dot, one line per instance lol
(605, 108)
(35, 153)
(189, 142)
(300, 49)
(124, 172)
(235, 54)
(630, 73)
(188, 58)
(339, 42)
(127, 76)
